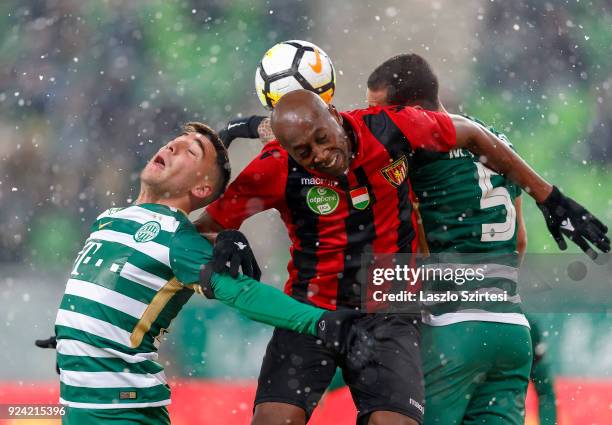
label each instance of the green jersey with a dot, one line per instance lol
(467, 208)
(137, 269)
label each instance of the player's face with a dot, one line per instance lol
(376, 97)
(185, 164)
(320, 144)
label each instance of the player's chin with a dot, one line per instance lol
(152, 174)
(332, 172)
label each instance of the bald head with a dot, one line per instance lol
(295, 109)
(311, 132)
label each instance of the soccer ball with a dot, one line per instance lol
(292, 65)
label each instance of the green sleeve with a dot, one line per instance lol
(265, 304)
(255, 300)
(188, 251)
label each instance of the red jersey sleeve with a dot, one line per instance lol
(424, 129)
(260, 186)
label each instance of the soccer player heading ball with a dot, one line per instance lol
(327, 176)
(285, 67)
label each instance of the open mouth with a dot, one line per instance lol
(333, 162)
(159, 161)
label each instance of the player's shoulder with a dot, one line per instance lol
(502, 136)
(188, 250)
(187, 237)
(109, 212)
(272, 158)
(363, 116)
(361, 113)
(164, 217)
(372, 110)
(273, 150)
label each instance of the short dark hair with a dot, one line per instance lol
(223, 164)
(408, 79)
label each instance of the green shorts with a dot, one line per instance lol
(475, 373)
(142, 416)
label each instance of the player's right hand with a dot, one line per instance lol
(231, 246)
(241, 128)
(566, 217)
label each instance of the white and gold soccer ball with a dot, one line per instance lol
(292, 65)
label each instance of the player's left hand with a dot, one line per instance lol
(231, 246)
(246, 128)
(50, 342)
(566, 217)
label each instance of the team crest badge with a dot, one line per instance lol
(396, 172)
(360, 198)
(322, 200)
(147, 232)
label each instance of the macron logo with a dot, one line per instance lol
(240, 245)
(417, 405)
(567, 225)
(318, 181)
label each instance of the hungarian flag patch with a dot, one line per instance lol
(360, 198)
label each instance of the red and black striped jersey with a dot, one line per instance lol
(333, 221)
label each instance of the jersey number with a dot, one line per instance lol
(493, 197)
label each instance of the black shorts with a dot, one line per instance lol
(297, 369)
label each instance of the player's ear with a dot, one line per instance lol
(202, 191)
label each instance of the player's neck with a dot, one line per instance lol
(148, 196)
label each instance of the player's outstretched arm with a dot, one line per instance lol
(563, 215)
(265, 131)
(263, 303)
(253, 127)
(499, 157)
(191, 259)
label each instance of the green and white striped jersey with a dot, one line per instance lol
(467, 208)
(127, 284)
